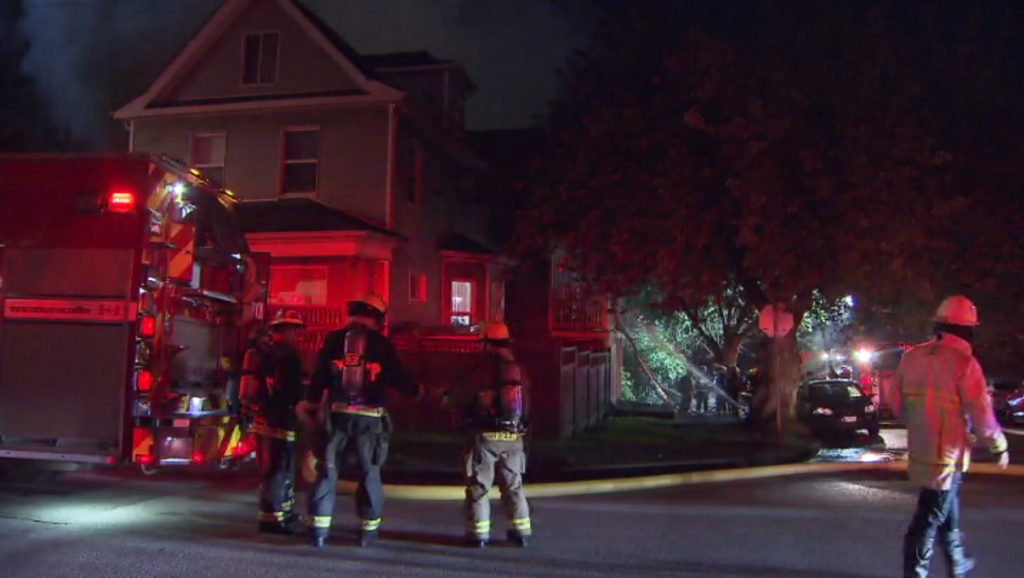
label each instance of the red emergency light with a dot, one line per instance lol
(197, 457)
(121, 202)
(147, 326)
(144, 382)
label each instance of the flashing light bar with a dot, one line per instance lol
(147, 326)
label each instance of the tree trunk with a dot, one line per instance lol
(775, 401)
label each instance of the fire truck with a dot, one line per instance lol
(127, 290)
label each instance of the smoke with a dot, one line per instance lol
(90, 57)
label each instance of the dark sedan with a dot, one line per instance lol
(1008, 400)
(832, 407)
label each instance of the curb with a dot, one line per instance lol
(553, 490)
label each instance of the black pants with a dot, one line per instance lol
(276, 458)
(370, 437)
(937, 516)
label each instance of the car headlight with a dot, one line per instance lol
(822, 411)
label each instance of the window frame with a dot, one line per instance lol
(421, 287)
(259, 67)
(284, 162)
(192, 152)
(450, 306)
(290, 266)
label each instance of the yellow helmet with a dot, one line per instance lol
(957, 310)
(371, 301)
(495, 331)
(287, 317)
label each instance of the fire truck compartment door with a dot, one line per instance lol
(64, 353)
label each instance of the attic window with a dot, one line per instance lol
(260, 57)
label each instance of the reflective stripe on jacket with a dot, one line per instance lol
(941, 386)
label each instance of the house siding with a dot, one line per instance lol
(303, 65)
(353, 152)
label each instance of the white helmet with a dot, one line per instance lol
(957, 310)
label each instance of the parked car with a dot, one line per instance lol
(1008, 400)
(832, 407)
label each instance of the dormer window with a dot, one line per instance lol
(260, 54)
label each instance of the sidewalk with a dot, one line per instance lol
(625, 446)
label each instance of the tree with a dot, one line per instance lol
(776, 164)
(25, 125)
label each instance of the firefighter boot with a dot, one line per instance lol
(285, 528)
(959, 563)
(317, 541)
(476, 541)
(518, 539)
(368, 537)
(917, 555)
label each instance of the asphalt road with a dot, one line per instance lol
(87, 525)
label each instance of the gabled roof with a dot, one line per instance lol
(413, 59)
(300, 215)
(459, 243)
(346, 57)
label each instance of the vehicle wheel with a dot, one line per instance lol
(149, 470)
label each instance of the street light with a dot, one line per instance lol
(849, 300)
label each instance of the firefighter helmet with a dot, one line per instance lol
(957, 310)
(495, 331)
(368, 305)
(286, 318)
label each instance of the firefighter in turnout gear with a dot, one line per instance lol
(270, 389)
(942, 390)
(496, 420)
(347, 393)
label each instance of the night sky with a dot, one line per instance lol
(92, 56)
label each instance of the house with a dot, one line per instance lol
(351, 168)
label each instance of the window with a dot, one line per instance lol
(301, 160)
(294, 285)
(260, 57)
(414, 176)
(207, 153)
(462, 303)
(417, 287)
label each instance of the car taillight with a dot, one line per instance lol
(121, 202)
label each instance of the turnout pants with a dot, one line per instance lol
(370, 436)
(276, 457)
(495, 457)
(937, 516)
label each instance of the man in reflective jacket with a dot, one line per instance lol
(496, 423)
(347, 393)
(270, 389)
(941, 386)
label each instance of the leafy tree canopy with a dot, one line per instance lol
(840, 147)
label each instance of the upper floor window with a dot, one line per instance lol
(414, 175)
(417, 287)
(300, 160)
(260, 56)
(207, 152)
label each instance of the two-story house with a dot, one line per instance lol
(350, 166)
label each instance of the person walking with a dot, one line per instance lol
(941, 390)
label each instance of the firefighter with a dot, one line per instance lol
(496, 420)
(347, 394)
(941, 386)
(270, 389)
